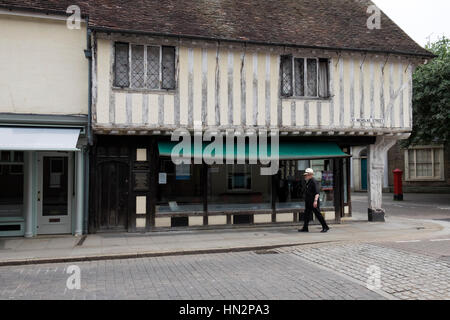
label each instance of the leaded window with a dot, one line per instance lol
(168, 67)
(304, 77)
(144, 67)
(153, 67)
(286, 76)
(121, 65)
(137, 67)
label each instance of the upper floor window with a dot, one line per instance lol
(144, 67)
(424, 163)
(304, 77)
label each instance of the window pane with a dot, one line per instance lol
(5, 156)
(323, 78)
(121, 65)
(182, 188)
(286, 76)
(239, 177)
(238, 187)
(137, 66)
(424, 164)
(411, 164)
(299, 77)
(55, 186)
(153, 63)
(290, 190)
(11, 190)
(437, 163)
(18, 156)
(168, 67)
(311, 77)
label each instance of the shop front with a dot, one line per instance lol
(41, 181)
(140, 188)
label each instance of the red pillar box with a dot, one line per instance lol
(398, 185)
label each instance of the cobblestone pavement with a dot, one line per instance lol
(438, 248)
(246, 275)
(405, 275)
(414, 206)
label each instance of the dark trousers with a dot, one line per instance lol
(308, 215)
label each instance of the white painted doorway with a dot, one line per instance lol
(54, 193)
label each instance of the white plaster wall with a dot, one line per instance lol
(43, 69)
(235, 78)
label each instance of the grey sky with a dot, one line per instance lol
(419, 18)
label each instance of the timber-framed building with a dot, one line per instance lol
(314, 71)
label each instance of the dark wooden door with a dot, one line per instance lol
(113, 191)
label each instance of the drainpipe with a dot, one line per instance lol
(88, 55)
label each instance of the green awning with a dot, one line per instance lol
(287, 151)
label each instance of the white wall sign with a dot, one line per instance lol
(162, 178)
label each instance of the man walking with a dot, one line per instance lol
(312, 203)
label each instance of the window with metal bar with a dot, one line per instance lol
(299, 72)
(137, 66)
(286, 76)
(153, 67)
(168, 67)
(121, 65)
(144, 67)
(304, 77)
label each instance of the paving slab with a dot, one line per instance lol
(104, 245)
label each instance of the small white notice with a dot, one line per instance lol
(162, 178)
(173, 205)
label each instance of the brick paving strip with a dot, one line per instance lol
(139, 255)
(404, 275)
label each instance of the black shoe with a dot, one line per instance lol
(324, 230)
(303, 230)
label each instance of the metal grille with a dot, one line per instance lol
(299, 66)
(168, 67)
(323, 78)
(121, 75)
(153, 63)
(312, 77)
(286, 76)
(137, 66)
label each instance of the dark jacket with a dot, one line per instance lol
(312, 189)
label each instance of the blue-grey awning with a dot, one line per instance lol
(38, 139)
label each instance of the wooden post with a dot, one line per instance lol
(205, 193)
(338, 188)
(349, 187)
(154, 166)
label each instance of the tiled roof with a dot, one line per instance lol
(332, 24)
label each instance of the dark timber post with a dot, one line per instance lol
(205, 193)
(274, 197)
(338, 165)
